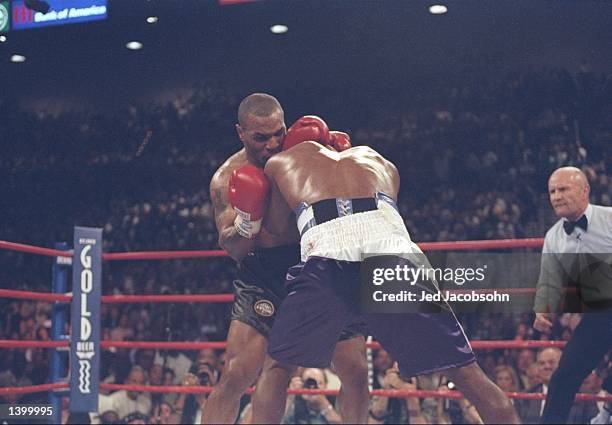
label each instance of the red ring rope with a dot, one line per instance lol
(33, 388)
(208, 390)
(214, 298)
(165, 255)
(164, 345)
(159, 255)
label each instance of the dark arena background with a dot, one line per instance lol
(119, 119)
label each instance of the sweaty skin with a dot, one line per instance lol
(262, 137)
(310, 172)
(225, 214)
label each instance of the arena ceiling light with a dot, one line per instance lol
(134, 45)
(437, 9)
(2, 38)
(279, 29)
(152, 19)
(18, 58)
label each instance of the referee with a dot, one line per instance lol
(577, 252)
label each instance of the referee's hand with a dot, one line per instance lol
(542, 322)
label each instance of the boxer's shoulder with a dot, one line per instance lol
(299, 153)
(220, 178)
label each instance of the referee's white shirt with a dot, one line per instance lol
(557, 266)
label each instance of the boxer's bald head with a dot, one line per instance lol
(569, 190)
(258, 105)
(261, 127)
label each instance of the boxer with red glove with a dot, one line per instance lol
(340, 141)
(309, 127)
(248, 195)
(239, 192)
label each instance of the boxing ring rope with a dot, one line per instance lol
(214, 298)
(165, 255)
(163, 345)
(207, 390)
(168, 255)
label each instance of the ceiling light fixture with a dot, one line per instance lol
(152, 19)
(134, 45)
(18, 58)
(279, 29)
(438, 9)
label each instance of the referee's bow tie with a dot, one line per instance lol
(569, 226)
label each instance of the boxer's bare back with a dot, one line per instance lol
(310, 172)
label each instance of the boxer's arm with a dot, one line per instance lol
(229, 239)
(279, 220)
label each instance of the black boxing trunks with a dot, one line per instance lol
(324, 296)
(260, 288)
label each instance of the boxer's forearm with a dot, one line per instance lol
(236, 246)
(230, 240)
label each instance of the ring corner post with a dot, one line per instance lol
(59, 285)
(85, 319)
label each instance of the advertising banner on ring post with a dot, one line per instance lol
(85, 335)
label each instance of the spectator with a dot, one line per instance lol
(109, 417)
(385, 410)
(506, 378)
(190, 406)
(126, 402)
(547, 361)
(533, 376)
(177, 362)
(164, 414)
(311, 409)
(525, 359)
(136, 418)
(582, 413)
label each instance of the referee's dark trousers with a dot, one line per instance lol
(590, 341)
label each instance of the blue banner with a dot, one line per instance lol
(60, 12)
(85, 335)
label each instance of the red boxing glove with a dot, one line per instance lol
(340, 140)
(309, 127)
(248, 195)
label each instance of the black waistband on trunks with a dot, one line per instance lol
(326, 210)
(329, 209)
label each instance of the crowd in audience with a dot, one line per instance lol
(474, 154)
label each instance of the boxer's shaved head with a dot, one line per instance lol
(261, 127)
(259, 105)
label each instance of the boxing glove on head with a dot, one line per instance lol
(309, 127)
